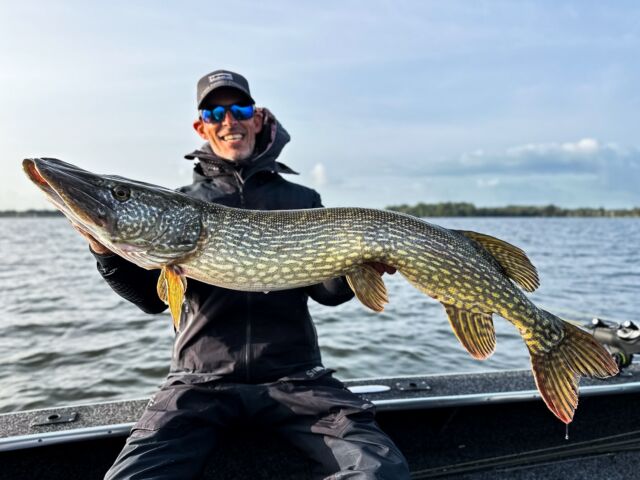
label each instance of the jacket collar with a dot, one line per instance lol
(269, 144)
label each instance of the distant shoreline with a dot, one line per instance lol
(446, 209)
(29, 213)
(449, 209)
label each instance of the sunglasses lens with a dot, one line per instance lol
(206, 116)
(241, 112)
(218, 113)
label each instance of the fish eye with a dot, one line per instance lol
(121, 193)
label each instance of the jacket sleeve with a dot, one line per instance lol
(330, 292)
(131, 282)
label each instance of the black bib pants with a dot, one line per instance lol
(183, 423)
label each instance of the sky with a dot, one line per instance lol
(387, 102)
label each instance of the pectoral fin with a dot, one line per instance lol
(368, 287)
(474, 330)
(171, 289)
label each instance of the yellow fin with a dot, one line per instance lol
(161, 287)
(514, 261)
(474, 330)
(558, 371)
(368, 286)
(171, 288)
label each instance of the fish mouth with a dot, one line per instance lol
(30, 168)
(70, 189)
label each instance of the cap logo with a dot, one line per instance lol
(220, 76)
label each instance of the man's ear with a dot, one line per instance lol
(258, 119)
(198, 126)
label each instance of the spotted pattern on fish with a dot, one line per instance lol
(267, 251)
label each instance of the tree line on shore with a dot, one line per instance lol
(462, 209)
(445, 209)
(30, 213)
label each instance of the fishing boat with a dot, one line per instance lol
(469, 426)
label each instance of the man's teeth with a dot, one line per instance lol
(229, 138)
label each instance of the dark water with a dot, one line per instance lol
(66, 338)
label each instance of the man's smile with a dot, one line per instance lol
(231, 137)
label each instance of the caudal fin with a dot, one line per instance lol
(558, 371)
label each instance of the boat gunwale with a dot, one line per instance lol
(21, 442)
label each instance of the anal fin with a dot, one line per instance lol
(474, 330)
(171, 288)
(368, 287)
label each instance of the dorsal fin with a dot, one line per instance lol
(514, 261)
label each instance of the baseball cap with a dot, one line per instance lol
(218, 79)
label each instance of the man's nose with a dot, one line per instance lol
(229, 119)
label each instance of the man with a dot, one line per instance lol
(240, 355)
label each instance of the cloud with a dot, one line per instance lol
(583, 147)
(582, 172)
(586, 156)
(319, 175)
(487, 182)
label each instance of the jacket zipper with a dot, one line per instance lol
(247, 352)
(247, 346)
(240, 183)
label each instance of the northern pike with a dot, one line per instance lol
(471, 274)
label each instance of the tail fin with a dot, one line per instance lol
(558, 371)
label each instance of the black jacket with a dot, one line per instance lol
(241, 336)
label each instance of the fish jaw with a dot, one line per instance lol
(72, 190)
(29, 165)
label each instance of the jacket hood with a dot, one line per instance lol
(269, 144)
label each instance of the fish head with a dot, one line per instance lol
(150, 225)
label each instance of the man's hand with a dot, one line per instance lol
(94, 244)
(382, 268)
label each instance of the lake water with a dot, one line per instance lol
(66, 338)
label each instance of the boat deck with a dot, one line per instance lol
(470, 426)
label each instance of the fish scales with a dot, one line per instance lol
(335, 242)
(294, 248)
(299, 248)
(473, 275)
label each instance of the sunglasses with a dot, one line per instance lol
(217, 113)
